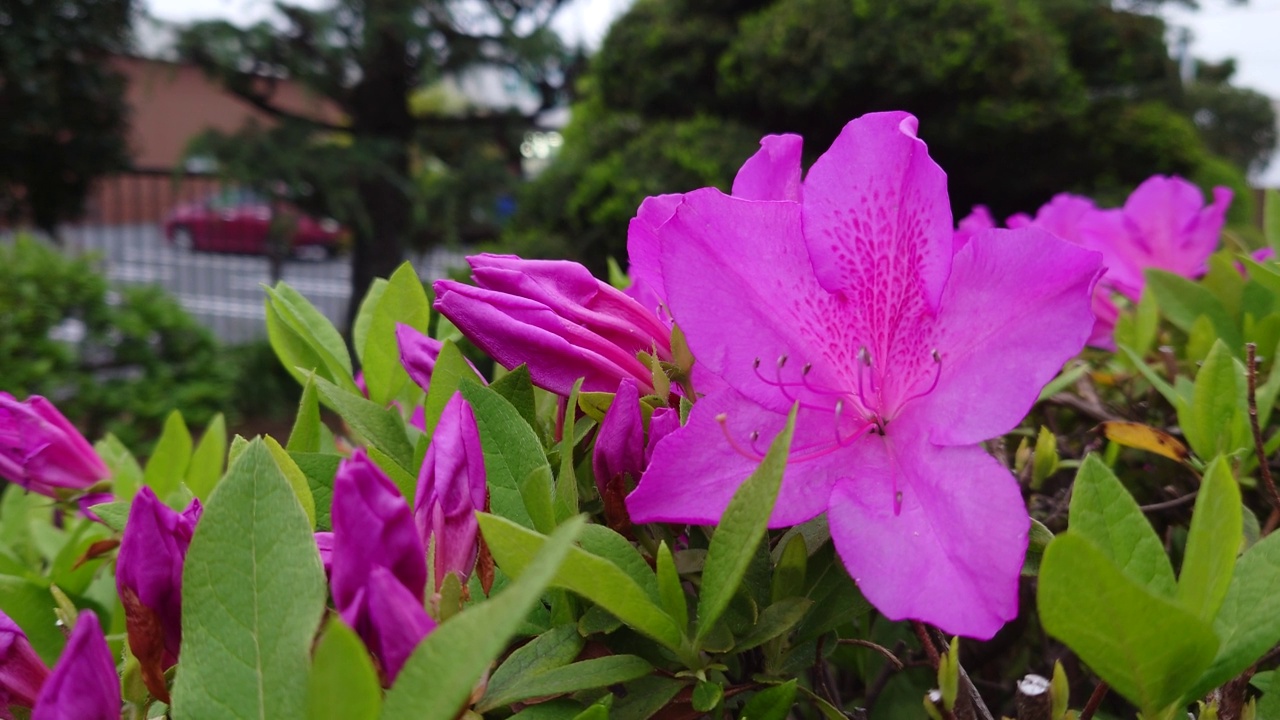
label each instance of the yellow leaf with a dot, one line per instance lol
(1145, 437)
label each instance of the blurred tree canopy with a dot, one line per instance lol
(369, 58)
(1017, 99)
(64, 117)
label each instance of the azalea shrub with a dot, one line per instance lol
(822, 453)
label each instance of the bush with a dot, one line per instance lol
(114, 362)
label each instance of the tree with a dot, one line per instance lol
(366, 57)
(1017, 99)
(64, 119)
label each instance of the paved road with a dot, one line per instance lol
(224, 291)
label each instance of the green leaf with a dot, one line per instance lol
(328, 352)
(402, 302)
(1271, 218)
(566, 487)
(512, 454)
(437, 679)
(1212, 543)
(706, 696)
(378, 426)
(1213, 421)
(741, 528)
(588, 575)
(1248, 622)
(206, 462)
(450, 368)
(603, 542)
(305, 436)
(1104, 513)
(126, 473)
(1039, 539)
(342, 684)
(296, 478)
(31, 607)
(1182, 301)
(789, 571)
(770, 704)
(364, 316)
(1145, 646)
(113, 514)
(553, 649)
(776, 619)
(670, 591)
(253, 593)
(1160, 384)
(584, 675)
(517, 387)
(167, 465)
(319, 469)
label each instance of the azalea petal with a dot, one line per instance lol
(877, 219)
(996, 349)
(773, 173)
(951, 555)
(644, 256)
(1169, 220)
(696, 470)
(742, 289)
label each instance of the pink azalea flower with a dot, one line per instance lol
(976, 221)
(842, 294)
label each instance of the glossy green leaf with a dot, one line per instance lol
(512, 454)
(376, 425)
(207, 461)
(1271, 218)
(305, 435)
(1214, 421)
(342, 684)
(1149, 649)
(437, 679)
(774, 620)
(1182, 301)
(328, 355)
(517, 387)
(1248, 621)
(588, 575)
(1104, 513)
(403, 301)
(31, 606)
(253, 593)
(741, 528)
(126, 473)
(566, 486)
(1212, 543)
(113, 514)
(167, 465)
(670, 590)
(319, 469)
(295, 477)
(771, 703)
(364, 317)
(603, 542)
(450, 368)
(583, 675)
(553, 649)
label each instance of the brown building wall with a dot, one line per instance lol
(169, 104)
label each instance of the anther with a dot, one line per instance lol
(723, 419)
(782, 361)
(755, 364)
(806, 369)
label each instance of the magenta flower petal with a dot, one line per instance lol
(398, 622)
(696, 470)
(1060, 216)
(644, 252)
(149, 570)
(372, 527)
(22, 672)
(619, 448)
(418, 354)
(84, 684)
(996, 350)
(324, 543)
(976, 221)
(950, 550)
(42, 451)
(451, 489)
(665, 420)
(876, 217)
(773, 173)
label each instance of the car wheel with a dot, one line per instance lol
(312, 253)
(183, 239)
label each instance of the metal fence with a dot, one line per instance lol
(125, 225)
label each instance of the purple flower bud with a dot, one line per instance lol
(397, 621)
(558, 319)
(620, 448)
(84, 684)
(22, 672)
(665, 421)
(43, 452)
(451, 488)
(324, 543)
(149, 580)
(372, 528)
(418, 354)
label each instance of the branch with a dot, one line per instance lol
(1263, 469)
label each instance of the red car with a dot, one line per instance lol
(237, 220)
